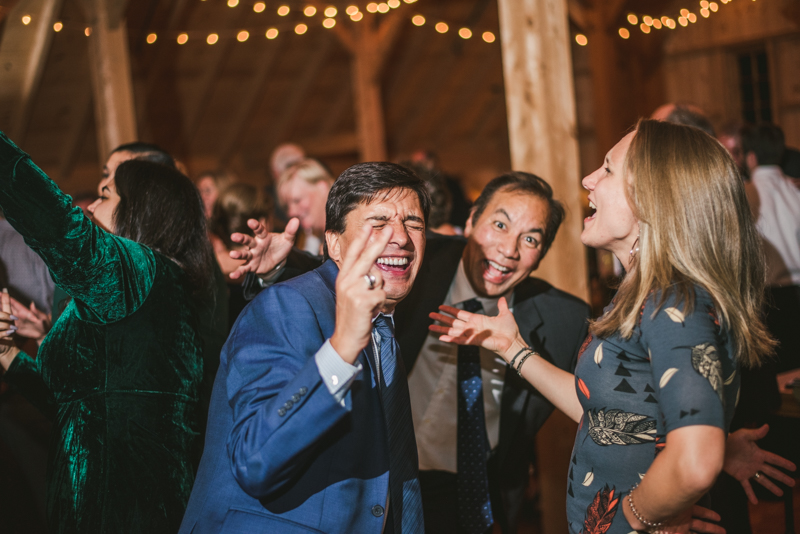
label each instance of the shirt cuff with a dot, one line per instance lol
(337, 374)
(268, 279)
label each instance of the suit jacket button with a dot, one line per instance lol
(295, 397)
(288, 404)
(303, 391)
(282, 412)
(377, 510)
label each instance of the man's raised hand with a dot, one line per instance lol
(265, 251)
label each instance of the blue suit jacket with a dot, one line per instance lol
(281, 455)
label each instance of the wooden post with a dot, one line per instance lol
(540, 100)
(369, 44)
(23, 52)
(111, 75)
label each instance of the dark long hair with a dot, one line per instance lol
(159, 207)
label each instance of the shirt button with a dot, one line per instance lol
(288, 404)
(335, 380)
(295, 397)
(282, 412)
(303, 391)
(377, 510)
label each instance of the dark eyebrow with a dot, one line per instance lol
(504, 212)
(531, 231)
(414, 218)
(381, 218)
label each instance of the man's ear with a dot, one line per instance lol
(334, 248)
(751, 160)
(468, 225)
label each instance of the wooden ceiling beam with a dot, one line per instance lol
(23, 52)
(249, 102)
(332, 145)
(336, 111)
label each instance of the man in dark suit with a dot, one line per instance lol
(510, 229)
(310, 427)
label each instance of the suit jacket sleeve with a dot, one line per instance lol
(282, 410)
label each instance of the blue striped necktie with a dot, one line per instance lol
(474, 505)
(405, 500)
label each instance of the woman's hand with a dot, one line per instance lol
(31, 323)
(264, 252)
(745, 460)
(499, 334)
(8, 351)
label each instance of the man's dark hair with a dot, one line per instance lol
(362, 183)
(686, 116)
(766, 141)
(148, 152)
(526, 183)
(159, 207)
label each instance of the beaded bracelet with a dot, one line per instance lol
(530, 353)
(641, 519)
(514, 359)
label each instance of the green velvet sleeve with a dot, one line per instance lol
(110, 275)
(25, 374)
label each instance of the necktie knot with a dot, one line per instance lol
(383, 325)
(472, 305)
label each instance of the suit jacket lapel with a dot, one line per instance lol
(516, 389)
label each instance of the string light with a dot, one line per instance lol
(692, 18)
(272, 33)
(656, 24)
(372, 7)
(417, 20)
(331, 11)
(357, 16)
(633, 19)
(581, 39)
(212, 38)
(259, 7)
(151, 38)
(644, 27)
(242, 36)
(409, 1)
(704, 4)
(647, 20)
(233, 3)
(57, 27)
(383, 7)
(351, 10)
(283, 11)
(713, 6)
(394, 4)
(683, 21)
(488, 37)
(329, 23)
(310, 11)
(624, 33)
(88, 31)
(26, 19)
(671, 24)
(300, 29)
(442, 27)
(465, 33)
(705, 13)
(685, 18)
(684, 13)
(183, 38)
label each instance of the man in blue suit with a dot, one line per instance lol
(310, 426)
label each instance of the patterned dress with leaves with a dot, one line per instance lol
(676, 370)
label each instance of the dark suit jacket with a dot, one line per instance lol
(281, 454)
(551, 321)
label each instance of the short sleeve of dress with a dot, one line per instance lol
(694, 371)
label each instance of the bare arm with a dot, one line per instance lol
(501, 335)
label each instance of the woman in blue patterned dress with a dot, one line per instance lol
(656, 382)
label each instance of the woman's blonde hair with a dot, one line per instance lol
(308, 169)
(695, 227)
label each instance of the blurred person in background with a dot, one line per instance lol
(210, 184)
(303, 191)
(232, 209)
(441, 199)
(460, 206)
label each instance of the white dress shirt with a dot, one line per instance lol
(779, 225)
(433, 386)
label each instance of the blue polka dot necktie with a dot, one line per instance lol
(474, 506)
(405, 500)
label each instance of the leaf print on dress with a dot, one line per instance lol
(601, 512)
(675, 314)
(705, 361)
(615, 427)
(598, 354)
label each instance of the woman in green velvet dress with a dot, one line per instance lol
(119, 372)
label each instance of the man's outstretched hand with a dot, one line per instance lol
(744, 459)
(265, 251)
